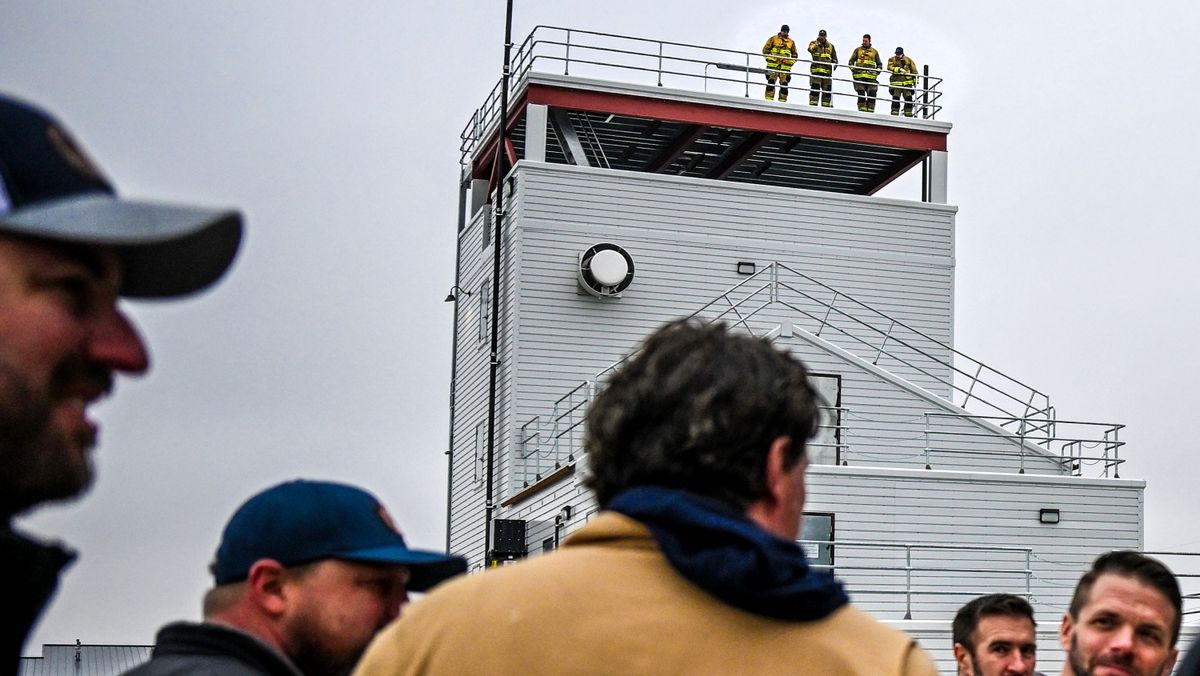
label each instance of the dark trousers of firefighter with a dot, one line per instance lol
(907, 94)
(784, 78)
(820, 88)
(866, 90)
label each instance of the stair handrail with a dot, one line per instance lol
(741, 308)
(1035, 404)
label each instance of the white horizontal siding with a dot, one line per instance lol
(970, 509)
(891, 506)
(663, 203)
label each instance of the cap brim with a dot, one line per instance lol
(166, 250)
(428, 568)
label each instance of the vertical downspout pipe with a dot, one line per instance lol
(462, 215)
(502, 174)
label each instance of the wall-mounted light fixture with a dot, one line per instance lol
(1046, 515)
(745, 268)
(456, 289)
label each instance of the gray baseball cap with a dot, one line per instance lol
(50, 189)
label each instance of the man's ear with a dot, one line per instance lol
(1169, 665)
(265, 586)
(962, 657)
(1064, 632)
(778, 469)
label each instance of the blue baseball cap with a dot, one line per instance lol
(299, 522)
(51, 189)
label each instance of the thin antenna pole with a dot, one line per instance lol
(501, 161)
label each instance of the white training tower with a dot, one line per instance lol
(643, 181)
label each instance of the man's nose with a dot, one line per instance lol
(115, 343)
(1020, 665)
(1121, 641)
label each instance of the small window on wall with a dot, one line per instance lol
(816, 539)
(826, 447)
(480, 451)
(485, 304)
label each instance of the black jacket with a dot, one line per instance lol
(1190, 662)
(185, 648)
(30, 571)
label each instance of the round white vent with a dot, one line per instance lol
(605, 270)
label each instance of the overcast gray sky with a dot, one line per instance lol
(326, 351)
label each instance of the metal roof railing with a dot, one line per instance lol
(988, 567)
(662, 63)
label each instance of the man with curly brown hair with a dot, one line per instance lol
(697, 455)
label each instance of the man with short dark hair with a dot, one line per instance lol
(995, 635)
(306, 573)
(69, 248)
(1124, 618)
(696, 448)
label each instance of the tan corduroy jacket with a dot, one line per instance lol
(609, 603)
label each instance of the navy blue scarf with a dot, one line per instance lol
(731, 557)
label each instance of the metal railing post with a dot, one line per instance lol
(883, 343)
(908, 582)
(1028, 575)
(828, 311)
(843, 439)
(927, 465)
(1021, 452)
(1116, 453)
(660, 47)
(567, 60)
(747, 75)
(971, 388)
(925, 95)
(774, 282)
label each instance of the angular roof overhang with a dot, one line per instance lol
(650, 129)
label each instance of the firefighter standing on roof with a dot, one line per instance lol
(864, 64)
(902, 81)
(780, 53)
(820, 80)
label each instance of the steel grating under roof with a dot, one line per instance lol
(748, 156)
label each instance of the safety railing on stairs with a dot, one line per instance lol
(873, 335)
(1007, 412)
(662, 63)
